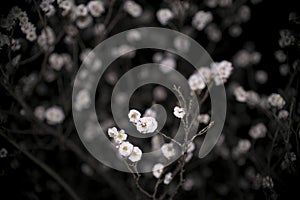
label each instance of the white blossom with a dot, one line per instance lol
(168, 150)
(221, 70)
(134, 115)
(240, 94)
(168, 178)
(120, 137)
(201, 19)
(258, 131)
(276, 100)
(146, 125)
(164, 15)
(204, 118)
(167, 64)
(179, 112)
(132, 8)
(196, 82)
(125, 148)
(39, 112)
(112, 132)
(150, 113)
(56, 61)
(96, 8)
(54, 115)
(136, 154)
(157, 170)
(81, 10)
(283, 114)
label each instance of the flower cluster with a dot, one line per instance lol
(143, 124)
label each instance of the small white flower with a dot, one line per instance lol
(240, 94)
(196, 82)
(252, 98)
(182, 44)
(157, 170)
(168, 64)
(179, 112)
(112, 132)
(243, 145)
(221, 71)
(120, 137)
(56, 61)
(205, 73)
(54, 115)
(82, 100)
(81, 10)
(164, 15)
(168, 150)
(96, 8)
(258, 131)
(31, 36)
(3, 153)
(204, 118)
(168, 178)
(133, 36)
(66, 5)
(39, 112)
(132, 8)
(84, 22)
(146, 125)
(201, 19)
(276, 100)
(283, 114)
(134, 116)
(125, 149)
(191, 147)
(150, 113)
(135, 155)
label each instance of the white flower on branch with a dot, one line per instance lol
(146, 125)
(136, 154)
(125, 148)
(134, 115)
(157, 170)
(168, 150)
(54, 115)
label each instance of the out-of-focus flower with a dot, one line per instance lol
(56, 61)
(179, 112)
(146, 125)
(168, 178)
(221, 71)
(81, 10)
(213, 33)
(164, 15)
(133, 36)
(280, 56)
(196, 82)
(84, 22)
(261, 76)
(3, 153)
(157, 170)
(203, 118)
(252, 98)
(150, 113)
(125, 148)
(39, 112)
(134, 115)
(182, 44)
(191, 147)
(167, 64)
(267, 182)
(240, 94)
(135, 155)
(54, 115)
(132, 8)
(283, 114)
(258, 131)
(168, 150)
(96, 8)
(276, 100)
(201, 19)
